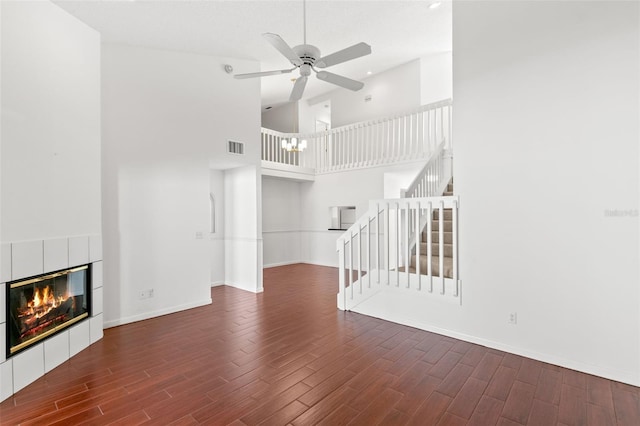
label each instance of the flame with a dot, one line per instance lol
(44, 301)
(36, 299)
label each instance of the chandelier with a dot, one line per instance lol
(293, 144)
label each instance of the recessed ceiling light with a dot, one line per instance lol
(369, 72)
(435, 4)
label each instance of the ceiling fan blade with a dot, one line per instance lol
(282, 47)
(344, 55)
(298, 89)
(262, 74)
(339, 80)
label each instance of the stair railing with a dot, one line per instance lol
(411, 136)
(376, 250)
(432, 179)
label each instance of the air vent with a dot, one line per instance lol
(236, 147)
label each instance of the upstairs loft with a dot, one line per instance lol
(412, 136)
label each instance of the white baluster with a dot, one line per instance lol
(398, 248)
(388, 242)
(418, 241)
(378, 242)
(341, 263)
(358, 151)
(368, 251)
(360, 257)
(429, 247)
(450, 140)
(454, 241)
(351, 263)
(407, 216)
(375, 141)
(441, 245)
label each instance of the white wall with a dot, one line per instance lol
(243, 228)
(281, 221)
(546, 141)
(50, 211)
(285, 118)
(50, 182)
(392, 92)
(166, 119)
(306, 117)
(436, 77)
(216, 188)
(281, 118)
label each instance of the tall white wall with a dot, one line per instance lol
(50, 182)
(546, 143)
(392, 92)
(50, 213)
(295, 116)
(281, 221)
(243, 228)
(436, 77)
(167, 117)
(281, 118)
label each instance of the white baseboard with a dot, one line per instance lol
(157, 313)
(608, 373)
(217, 283)
(245, 287)
(330, 265)
(273, 265)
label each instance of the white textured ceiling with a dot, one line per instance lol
(398, 31)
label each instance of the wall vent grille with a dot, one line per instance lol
(234, 147)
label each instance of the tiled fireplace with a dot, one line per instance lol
(50, 306)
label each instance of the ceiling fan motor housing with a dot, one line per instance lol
(307, 53)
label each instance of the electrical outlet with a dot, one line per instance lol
(513, 318)
(145, 294)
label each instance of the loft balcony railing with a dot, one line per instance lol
(407, 137)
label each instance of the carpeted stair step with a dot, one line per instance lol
(435, 266)
(447, 226)
(447, 213)
(435, 236)
(449, 190)
(435, 249)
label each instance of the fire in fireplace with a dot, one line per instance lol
(41, 306)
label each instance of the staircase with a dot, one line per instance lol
(447, 247)
(402, 250)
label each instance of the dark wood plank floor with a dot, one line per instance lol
(287, 356)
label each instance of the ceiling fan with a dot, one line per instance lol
(306, 58)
